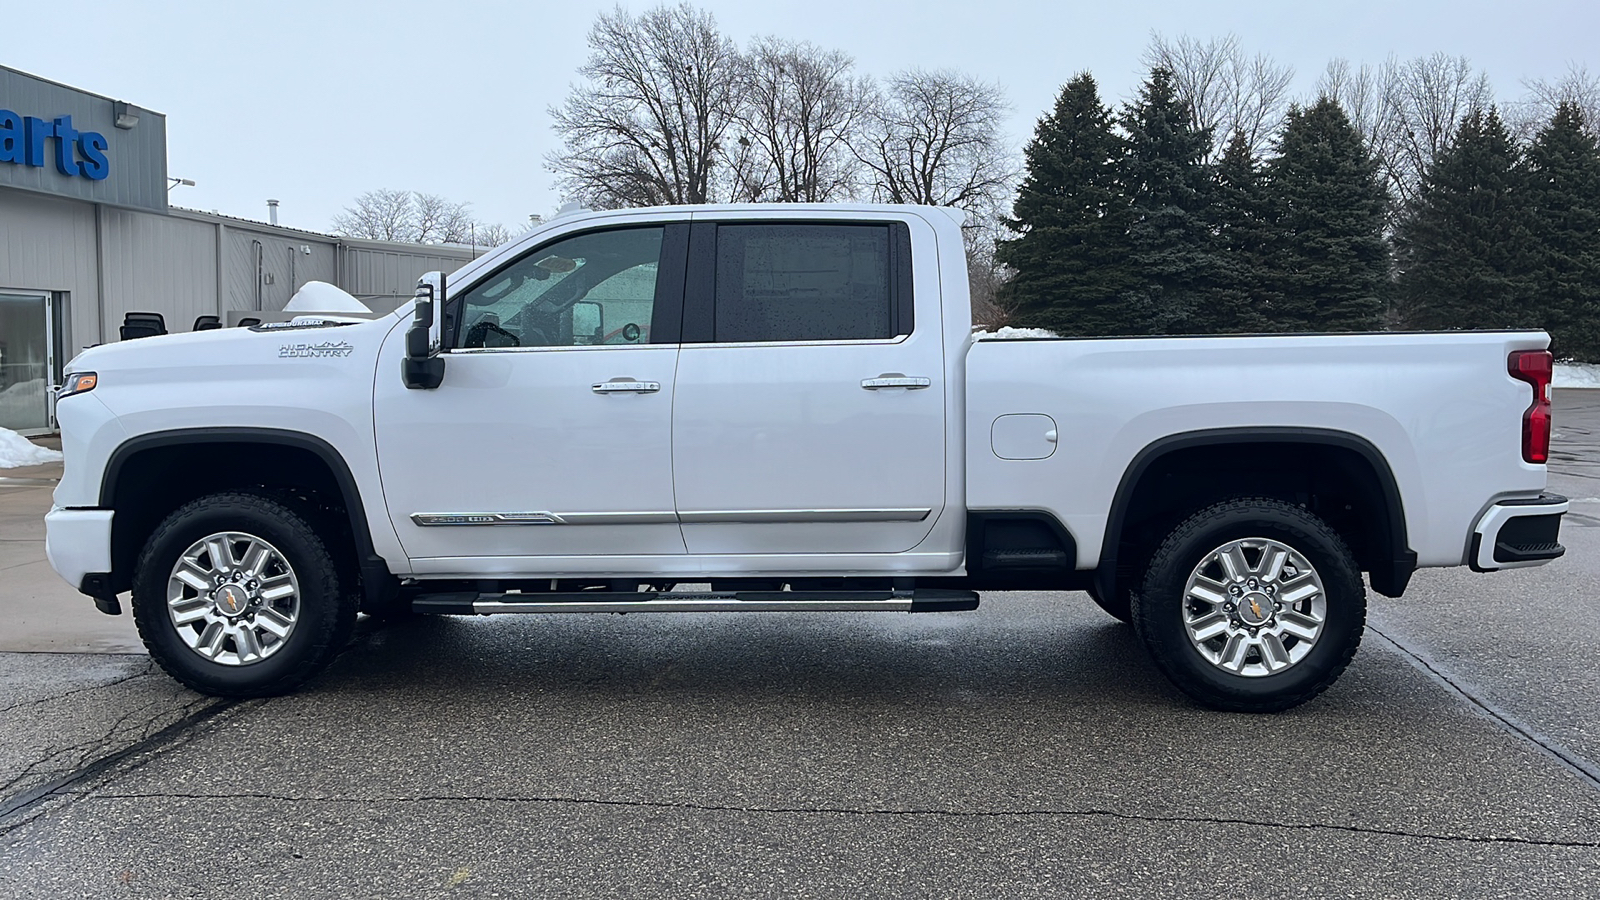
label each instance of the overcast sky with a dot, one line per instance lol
(312, 103)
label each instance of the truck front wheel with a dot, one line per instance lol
(235, 595)
(1251, 605)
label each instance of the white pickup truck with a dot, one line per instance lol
(767, 408)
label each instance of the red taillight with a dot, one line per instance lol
(1535, 367)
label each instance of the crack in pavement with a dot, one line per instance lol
(194, 712)
(149, 669)
(859, 811)
(164, 740)
(1548, 746)
(135, 724)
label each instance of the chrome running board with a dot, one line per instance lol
(468, 604)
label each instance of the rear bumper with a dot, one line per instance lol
(78, 544)
(1513, 534)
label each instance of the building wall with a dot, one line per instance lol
(385, 275)
(50, 245)
(111, 261)
(284, 266)
(156, 263)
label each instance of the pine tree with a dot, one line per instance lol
(1463, 246)
(1563, 187)
(1070, 257)
(1171, 242)
(1330, 262)
(1241, 295)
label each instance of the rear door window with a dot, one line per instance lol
(804, 282)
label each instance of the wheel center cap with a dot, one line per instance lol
(1255, 608)
(231, 599)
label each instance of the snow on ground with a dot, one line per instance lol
(17, 451)
(23, 401)
(1577, 375)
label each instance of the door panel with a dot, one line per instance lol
(808, 445)
(523, 436)
(550, 434)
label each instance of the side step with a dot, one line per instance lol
(922, 600)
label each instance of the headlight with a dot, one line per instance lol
(78, 383)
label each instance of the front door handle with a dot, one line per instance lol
(896, 380)
(626, 386)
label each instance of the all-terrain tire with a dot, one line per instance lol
(1171, 612)
(323, 615)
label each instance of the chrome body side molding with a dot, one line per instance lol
(759, 516)
(698, 517)
(542, 518)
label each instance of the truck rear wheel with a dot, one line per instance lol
(1251, 605)
(235, 595)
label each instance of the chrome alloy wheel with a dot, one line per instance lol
(1254, 607)
(233, 598)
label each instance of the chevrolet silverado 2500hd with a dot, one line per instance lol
(784, 408)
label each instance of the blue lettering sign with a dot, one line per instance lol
(24, 140)
(95, 166)
(11, 137)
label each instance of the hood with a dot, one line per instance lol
(306, 335)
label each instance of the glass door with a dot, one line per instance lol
(25, 361)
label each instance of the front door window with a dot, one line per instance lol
(595, 288)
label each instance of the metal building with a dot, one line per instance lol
(87, 236)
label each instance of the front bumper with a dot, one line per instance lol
(1513, 534)
(78, 544)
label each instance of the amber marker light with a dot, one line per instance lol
(78, 383)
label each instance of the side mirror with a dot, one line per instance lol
(588, 322)
(422, 368)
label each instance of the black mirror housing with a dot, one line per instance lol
(423, 368)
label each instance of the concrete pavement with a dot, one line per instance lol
(38, 611)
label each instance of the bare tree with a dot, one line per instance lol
(409, 216)
(647, 126)
(934, 138)
(1226, 90)
(1434, 93)
(1368, 96)
(440, 221)
(985, 274)
(1577, 86)
(802, 106)
(1408, 111)
(485, 235)
(381, 215)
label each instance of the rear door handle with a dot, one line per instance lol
(626, 386)
(896, 380)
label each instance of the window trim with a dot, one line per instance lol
(667, 305)
(699, 297)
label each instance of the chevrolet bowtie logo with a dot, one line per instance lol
(1255, 607)
(227, 594)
